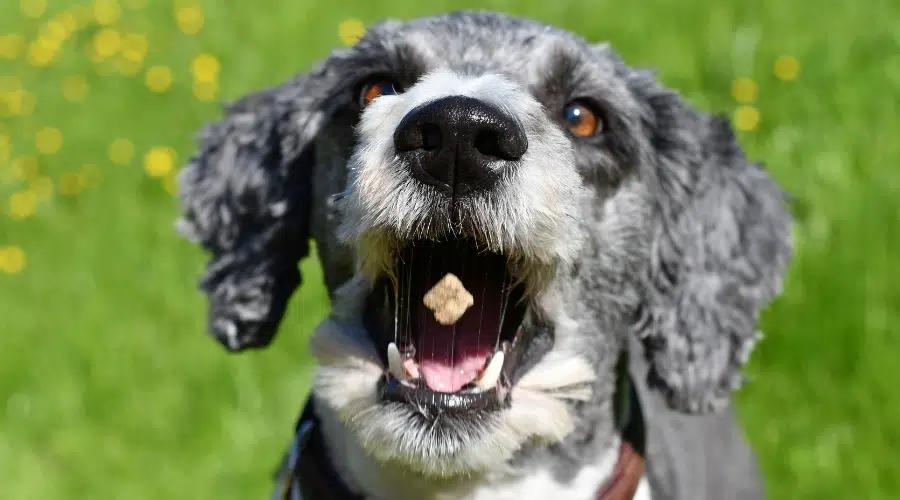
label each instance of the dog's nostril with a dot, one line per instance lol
(431, 137)
(487, 142)
(504, 142)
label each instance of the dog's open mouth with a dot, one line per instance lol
(448, 326)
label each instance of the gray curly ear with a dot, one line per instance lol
(245, 197)
(721, 246)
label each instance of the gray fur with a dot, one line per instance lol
(678, 241)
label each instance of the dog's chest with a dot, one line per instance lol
(543, 485)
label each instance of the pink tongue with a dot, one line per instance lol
(451, 356)
(443, 377)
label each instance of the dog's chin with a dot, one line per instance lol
(446, 399)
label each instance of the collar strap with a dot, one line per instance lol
(629, 470)
(307, 473)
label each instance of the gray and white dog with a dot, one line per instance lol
(590, 212)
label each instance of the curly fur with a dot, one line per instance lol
(662, 231)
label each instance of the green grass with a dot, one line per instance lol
(113, 391)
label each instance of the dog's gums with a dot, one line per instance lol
(405, 370)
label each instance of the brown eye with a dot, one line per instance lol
(376, 89)
(581, 120)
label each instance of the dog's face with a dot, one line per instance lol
(575, 200)
(509, 156)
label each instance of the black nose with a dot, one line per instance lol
(459, 144)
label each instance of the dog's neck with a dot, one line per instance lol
(605, 470)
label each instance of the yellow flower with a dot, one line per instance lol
(12, 259)
(121, 151)
(159, 79)
(75, 88)
(205, 68)
(351, 31)
(159, 161)
(42, 188)
(41, 52)
(744, 90)
(33, 9)
(107, 12)
(189, 19)
(48, 140)
(787, 68)
(22, 204)
(11, 46)
(55, 32)
(206, 91)
(107, 42)
(68, 21)
(746, 118)
(19, 102)
(134, 47)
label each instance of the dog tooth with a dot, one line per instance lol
(395, 363)
(491, 374)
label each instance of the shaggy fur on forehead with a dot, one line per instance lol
(658, 229)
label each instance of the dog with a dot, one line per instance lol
(608, 250)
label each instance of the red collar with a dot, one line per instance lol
(624, 481)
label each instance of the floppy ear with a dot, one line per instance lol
(721, 246)
(246, 197)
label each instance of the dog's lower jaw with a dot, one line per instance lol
(544, 410)
(533, 473)
(534, 479)
(540, 409)
(564, 399)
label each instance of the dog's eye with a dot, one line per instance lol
(581, 119)
(376, 89)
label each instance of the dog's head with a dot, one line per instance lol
(576, 200)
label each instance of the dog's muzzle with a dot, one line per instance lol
(450, 189)
(463, 147)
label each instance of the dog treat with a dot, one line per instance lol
(448, 299)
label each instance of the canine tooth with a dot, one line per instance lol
(491, 374)
(395, 363)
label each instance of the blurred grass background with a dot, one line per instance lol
(111, 390)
